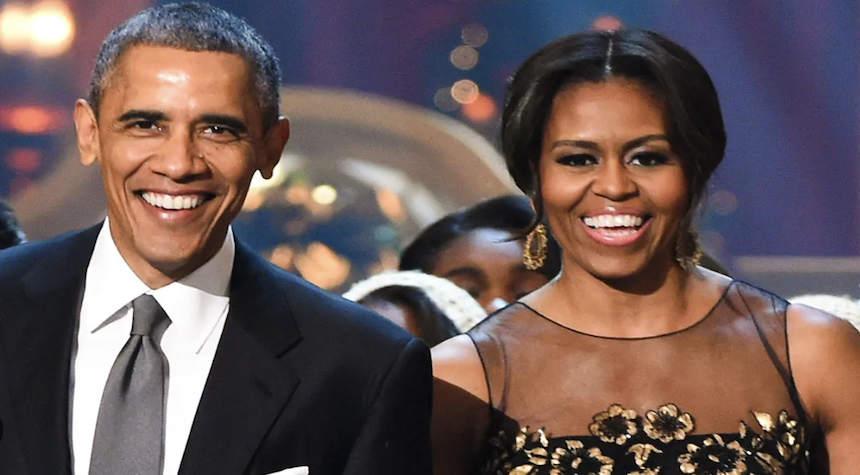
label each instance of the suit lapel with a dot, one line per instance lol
(37, 334)
(249, 384)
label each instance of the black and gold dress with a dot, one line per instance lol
(716, 398)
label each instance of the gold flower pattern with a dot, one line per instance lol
(714, 457)
(667, 423)
(660, 443)
(616, 425)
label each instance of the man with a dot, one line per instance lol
(10, 231)
(156, 343)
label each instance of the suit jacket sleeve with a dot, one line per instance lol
(395, 440)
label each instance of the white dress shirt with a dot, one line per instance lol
(197, 306)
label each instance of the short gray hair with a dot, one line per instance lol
(193, 27)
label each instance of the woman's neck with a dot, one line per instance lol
(654, 302)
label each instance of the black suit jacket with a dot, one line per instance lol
(300, 377)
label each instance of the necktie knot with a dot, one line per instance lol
(148, 319)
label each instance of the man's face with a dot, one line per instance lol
(179, 136)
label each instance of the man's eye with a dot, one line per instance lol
(144, 125)
(578, 160)
(649, 159)
(220, 133)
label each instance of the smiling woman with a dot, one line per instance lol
(635, 360)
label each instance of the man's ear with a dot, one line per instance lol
(87, 129)
(275, 140)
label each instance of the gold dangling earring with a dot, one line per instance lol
(534, 253)
(688, 251)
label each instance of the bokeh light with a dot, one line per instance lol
(324, 194)
(15, 28)
(46, 28)
(475, 35)
(465, 91)
(444, 100)
(482, 109)
(52, 28)
(607, 22)
(464, 57)
(723, 202)
(24, 159)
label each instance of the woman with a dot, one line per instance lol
(480, 249)
(429, 307)
(634, 360)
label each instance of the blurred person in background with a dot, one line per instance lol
(481, 249)
(11, 233)
(636, 360)
(431, 308)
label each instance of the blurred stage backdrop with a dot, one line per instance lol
(396, 106)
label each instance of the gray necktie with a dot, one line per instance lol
(129, 436)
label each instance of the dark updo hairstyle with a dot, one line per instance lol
(434, 326)
(505, 213)
(696, 132)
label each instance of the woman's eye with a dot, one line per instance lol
(649, 159)
(578, 160)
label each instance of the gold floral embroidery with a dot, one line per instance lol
(616, 425)
(715, 457)
(642, 452)
(651, 445)
(582, 461)
(667, 423)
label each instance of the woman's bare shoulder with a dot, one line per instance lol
(456, 361)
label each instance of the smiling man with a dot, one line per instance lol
(157, 343)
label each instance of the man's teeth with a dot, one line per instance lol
(173, 202)
(613, 221)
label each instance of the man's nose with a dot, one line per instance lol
(179, 158)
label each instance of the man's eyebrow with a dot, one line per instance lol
(147, 115)
(234, 123)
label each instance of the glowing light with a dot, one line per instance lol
(282, 256)
(390, 204)
(298, 194)
(20, 185)
(475, 35)
(321, 266)
(31, 119)
(44, 29)
(464, 57)
(465, 91)
(723, 202)
(52, 28)
(324, 194)
(24, 159)
(481, 109)
(15, 28)
(444, 100)
(607, 22)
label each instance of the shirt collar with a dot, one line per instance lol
(194, 303)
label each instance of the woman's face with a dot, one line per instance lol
(488, 264)
(614, 190)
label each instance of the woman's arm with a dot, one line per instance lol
(825, 360)
(461, 410)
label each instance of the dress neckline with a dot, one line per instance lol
(636, 338)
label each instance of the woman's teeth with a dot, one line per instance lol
(613, 221)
